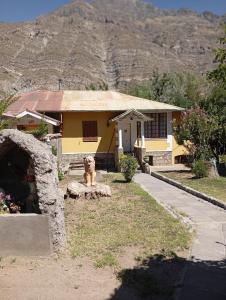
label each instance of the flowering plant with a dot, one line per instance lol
(4, 202)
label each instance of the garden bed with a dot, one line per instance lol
(214, 187)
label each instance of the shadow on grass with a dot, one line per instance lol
(190, 177)
(159, 276)
(120, 181)
(177, 171)
(222, 169)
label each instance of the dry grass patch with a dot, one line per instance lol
(100, 229)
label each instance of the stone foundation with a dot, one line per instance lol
(159, 158)
(108, 159)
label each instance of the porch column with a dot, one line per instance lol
(142, 135)
(169, 131)
(119, 136)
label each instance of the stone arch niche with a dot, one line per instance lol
(28, 171)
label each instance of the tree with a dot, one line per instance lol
(197, 131)
(4, 103)
(176, 88)
(218, 75)
(205, 126)
(99, 87)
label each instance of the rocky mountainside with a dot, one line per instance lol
(104, 41)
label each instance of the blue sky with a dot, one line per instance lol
(22, 10)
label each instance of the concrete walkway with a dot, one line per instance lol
(205, 276)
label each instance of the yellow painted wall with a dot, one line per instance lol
(156, 144)
(72, 140)
(177, 149)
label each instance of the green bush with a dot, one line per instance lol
(223, 159)
(128, 166)
(199, 169)
(60, 175)
(54, 150)
(40, 131)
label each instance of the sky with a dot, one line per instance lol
(24, 10)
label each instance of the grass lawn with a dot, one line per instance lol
(213, 187)
(102, 229)
(123, 247)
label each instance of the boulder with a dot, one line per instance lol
(50, 197)
(79, 190)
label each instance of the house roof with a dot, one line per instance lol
(62, 101)
(109, 101)
(39, 101)
(132, 113)
(38, 116)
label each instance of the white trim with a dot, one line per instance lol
(169, 132)
(131, 113)
(142, 135)
(120, 137)
(38, 116)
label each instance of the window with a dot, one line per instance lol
(157, 128)
(89, 131)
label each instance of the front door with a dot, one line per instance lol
(126, 137)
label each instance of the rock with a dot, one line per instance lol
(50, 198)
(79, 190)
(212, 169)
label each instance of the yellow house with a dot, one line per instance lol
(106, 124)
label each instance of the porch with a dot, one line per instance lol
(132, 137)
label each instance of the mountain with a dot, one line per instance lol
(104, 41)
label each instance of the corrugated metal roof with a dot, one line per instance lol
(40, 101)
(109, 101)
(59, 101)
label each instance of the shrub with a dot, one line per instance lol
(223, 159)
(40, 131)
(60, 175)
(128, 166)
(54, 150)
(199, 169)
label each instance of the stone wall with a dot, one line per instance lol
(160, 158)
(50, 198)
(66, 159)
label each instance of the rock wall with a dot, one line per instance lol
(160, 158)
(51, 201)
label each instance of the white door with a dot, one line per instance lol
(126, 137)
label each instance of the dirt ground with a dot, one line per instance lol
(51, 279)
(63, 277)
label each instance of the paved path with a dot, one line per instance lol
(205, 276)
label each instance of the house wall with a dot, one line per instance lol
(72, 139)
(163, 150)
(30, 123)
(156, 144)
